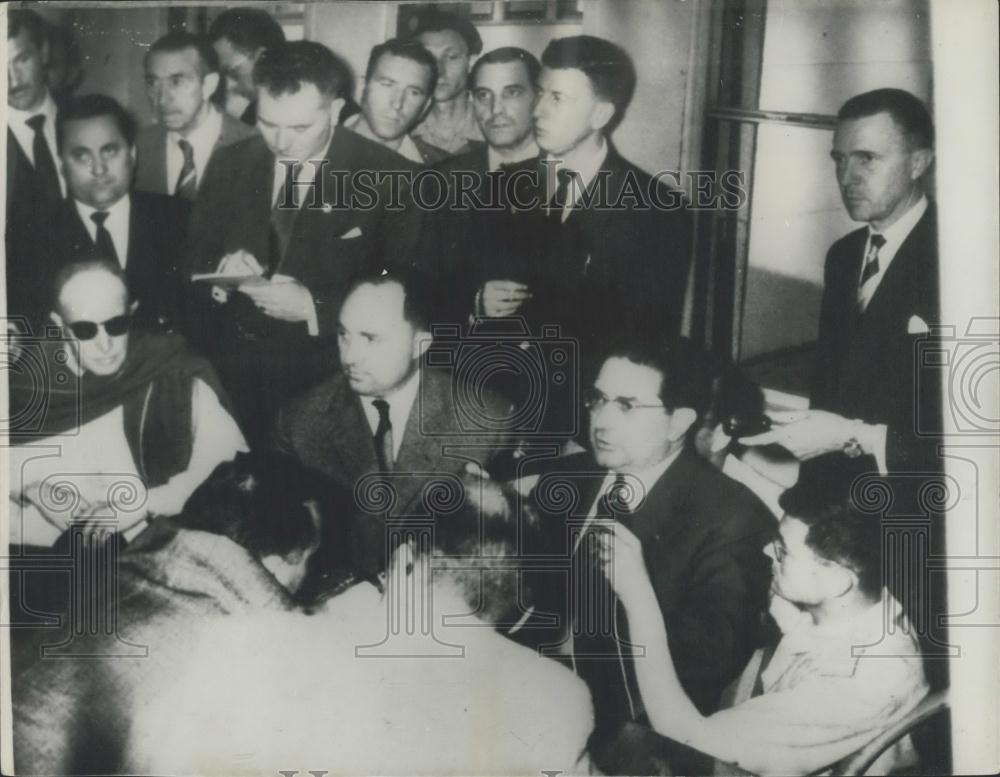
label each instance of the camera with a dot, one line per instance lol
(505, 380)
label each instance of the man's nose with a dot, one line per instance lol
(396, 100)
(99, 166)
(103, 340)
(13, 79)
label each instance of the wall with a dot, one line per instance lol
(816, 54)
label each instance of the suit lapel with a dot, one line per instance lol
(659, 516)
(420, 453)
(350, 435)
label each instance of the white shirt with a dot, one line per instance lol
(202, 139)
(117, 224)
(25, 135)
(894, 237)
(493, 160)
(586, 169)
(400, 403)
(307, 174)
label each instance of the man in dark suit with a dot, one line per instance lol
(399, 85)
(139, 230)
(34, 185)
(880, 296)
(386, 420)
(291, 215)
(182, 75)
(702, 537)
(620, 239)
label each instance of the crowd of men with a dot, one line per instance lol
(296, 325)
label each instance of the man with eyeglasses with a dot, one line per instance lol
(139, 231)
(182, 75)
(127, 412)
(702, 535)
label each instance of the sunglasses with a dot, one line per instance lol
(115, 327)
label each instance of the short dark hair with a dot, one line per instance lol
(608, 67)
(248, 29)
(283, 69)
(86, 260)
(92, 106)
(406, 48)
(683, 368)
(476, 544)
(179, 40)
(437, 21)
(506, 54)
(23, 19)
(260, 501)
(418, 296)
(839, 532)
(908, 111)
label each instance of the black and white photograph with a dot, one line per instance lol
(500, 387)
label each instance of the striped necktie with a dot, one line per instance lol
(187, 181)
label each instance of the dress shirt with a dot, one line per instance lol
(400, 404)
(894, 237)
(307, 174)
(493, 160)
(117, 224)
(202, 139)
(25, 135)
(586, 168)
(453, 138)
(406, 147)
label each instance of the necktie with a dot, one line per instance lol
(383, 437)
(616, 502)
(45, 167)
(283, 216)
(105, 245)
(558, 201)
(187, 181)
(870, 269)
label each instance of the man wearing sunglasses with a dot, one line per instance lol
(702, 535)
(123, 409)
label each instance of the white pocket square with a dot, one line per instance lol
(917, 326)
(352, 233)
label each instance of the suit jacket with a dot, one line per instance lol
(157, 226)
(327, 430)
(29, 217)
(617, 260)
(702, 536)
(866, 366)
(151, 151)
(328, 245)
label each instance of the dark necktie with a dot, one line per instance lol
(615, 501)
(383, 437)
(187, 181)
(871, 258)
(558, 201)
(45, 167)
(283, 216)
(105, 245)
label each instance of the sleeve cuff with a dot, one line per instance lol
(312, 319)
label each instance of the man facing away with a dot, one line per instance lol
(182, 75)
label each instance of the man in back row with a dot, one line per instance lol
(182, 75)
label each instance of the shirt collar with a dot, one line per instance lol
(896, 234)
(493, 160)
(205, 134)
(48, 107)
(647, 478)
(117, 213)
(587, 167)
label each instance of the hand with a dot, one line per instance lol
(283, 298)
(54, 503)
(99, 514)
(806, 433)
(620, 559)
(503, 298)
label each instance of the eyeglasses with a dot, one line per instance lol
(594, 400)
(115, 327)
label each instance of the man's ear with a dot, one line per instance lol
(841, 581)
(209, 85)
(422, 341)
(920, 162)
(336, 106)
(603, 113)
(680, 421)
